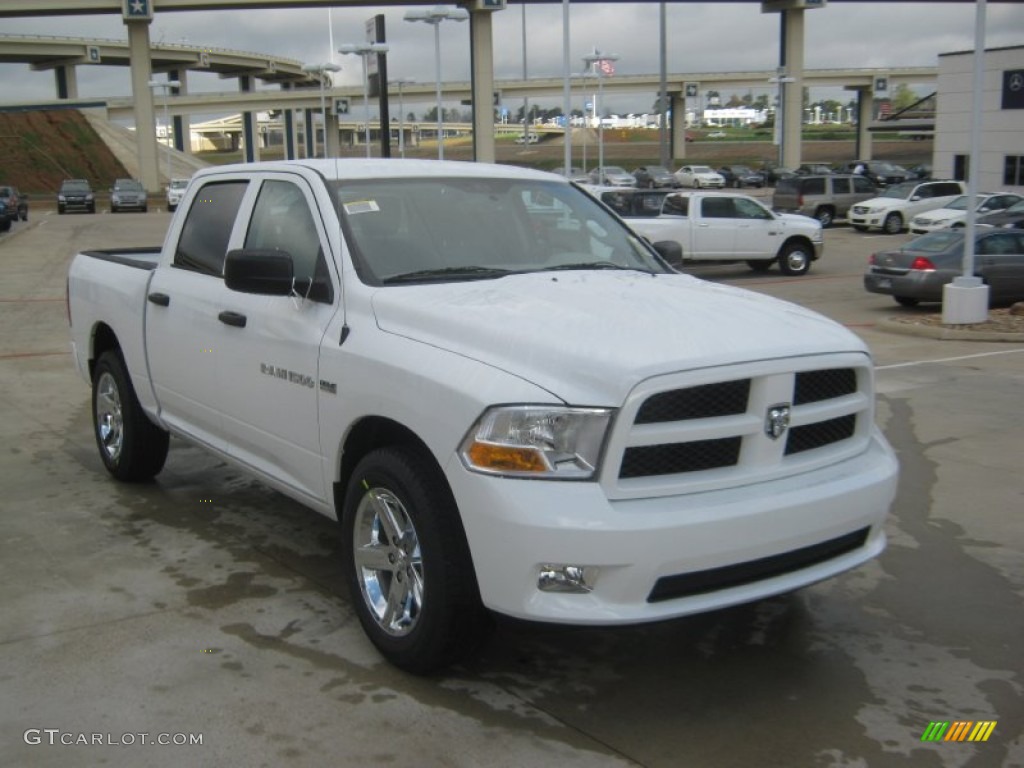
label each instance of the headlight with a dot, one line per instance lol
(89, 197)
(61, 198)
(544, 442)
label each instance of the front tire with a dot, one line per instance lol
(907, 301)
(131, 447)
(407, 563)
(893, 224)
(794, 259)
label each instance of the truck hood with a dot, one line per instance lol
(589, 337)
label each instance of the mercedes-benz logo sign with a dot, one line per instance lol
(1016, 81)
(776, 420)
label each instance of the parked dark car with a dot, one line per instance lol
(921, 171)
(5, 223)
(880, 172)
(918, 270)
(772, 173)
(653, 176)
(76, 195)
(14, 203)
(1011, 217)
(128, 195)
(738, 176)
(814, 169)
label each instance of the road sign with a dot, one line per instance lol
(137, 10)
(691, 90)
(341, 107)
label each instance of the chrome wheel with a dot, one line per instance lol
(794, 260)
(388, 561)
(109, 417)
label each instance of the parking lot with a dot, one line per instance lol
(206, 604)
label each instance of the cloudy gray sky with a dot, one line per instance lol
(703, 37)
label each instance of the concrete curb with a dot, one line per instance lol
(947, 332)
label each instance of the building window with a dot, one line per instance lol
(961, 167)
(1013, 173)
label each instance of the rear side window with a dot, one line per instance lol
(204, 238)
(860, 184)
(945, 188)
(840, 185)
(788, 186)
(814, 186)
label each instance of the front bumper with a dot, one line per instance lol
(869, 220)
(634, 546)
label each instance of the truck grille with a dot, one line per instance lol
(683, 433)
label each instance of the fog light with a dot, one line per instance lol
(578, 579)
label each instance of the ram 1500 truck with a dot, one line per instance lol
(508, 400)
(720, 226)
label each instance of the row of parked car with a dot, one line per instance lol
(13, 207)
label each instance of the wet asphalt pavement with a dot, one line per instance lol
(206, 604)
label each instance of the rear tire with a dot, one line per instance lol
(907, 301)
(131, 447)
(407, 563)
(826, 216)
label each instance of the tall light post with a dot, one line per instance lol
(434, 16)
(320, 69)
(780, 110)
(401, 113)
(166, 85)
(365, 50)
(601, 63)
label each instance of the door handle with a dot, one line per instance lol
(160, 299)
(232, 318)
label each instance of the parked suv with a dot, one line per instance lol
(14, 205)
(76, 195)
(823, 197)
(128, 195)
(893, 209)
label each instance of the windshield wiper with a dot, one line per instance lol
(590, 265)
(447, 273)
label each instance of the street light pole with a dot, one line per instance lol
(320, 69)
(401, 114)
(365, 50)
(597, 61)
(166, 85)
(435, 16)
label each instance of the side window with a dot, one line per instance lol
(748, 209)
(860, 184)
(946, 189)
(815, 186)
(841, 186)
(203, 243)
(999, 244)
(617, 201)
(675, 205)
(924, 191)
(282, 221)
(649, 205)
(718, 208)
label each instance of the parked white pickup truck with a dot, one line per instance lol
(506, 397)
(720, 226)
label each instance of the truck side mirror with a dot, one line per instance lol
(261, 271)
(670, 251)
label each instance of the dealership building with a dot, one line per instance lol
(1002, 120)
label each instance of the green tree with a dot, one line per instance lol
(902, 97)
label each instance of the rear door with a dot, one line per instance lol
(1000, 262)
(184, 337)
(714, 230)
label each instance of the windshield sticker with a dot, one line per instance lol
(361, 206)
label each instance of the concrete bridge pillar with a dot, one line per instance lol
(482, 66)
(677, 126)
(66, 80)
(250, 142)
(182, 123)
(142, 94)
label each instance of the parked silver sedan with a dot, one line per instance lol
(917, 271)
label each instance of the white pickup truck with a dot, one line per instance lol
(720, 226)
(508, 399)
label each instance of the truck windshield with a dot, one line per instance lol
(403, 231)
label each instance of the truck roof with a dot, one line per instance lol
(382, 168)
